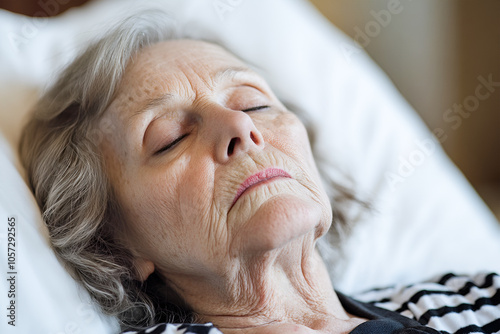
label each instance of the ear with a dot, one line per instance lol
(143, 268)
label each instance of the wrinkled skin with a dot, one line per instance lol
(191, 124)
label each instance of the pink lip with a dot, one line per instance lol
(267, 174)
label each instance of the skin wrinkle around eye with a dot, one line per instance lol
(178, 125)
(238, 98)
(153, 103)
(228, 74)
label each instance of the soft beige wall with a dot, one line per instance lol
(479, 140)
(407, 47)
(434, 51)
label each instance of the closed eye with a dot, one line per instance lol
(171, 145)
(176, 141)
(255, 108)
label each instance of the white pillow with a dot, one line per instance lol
(427, 219)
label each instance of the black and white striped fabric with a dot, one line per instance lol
(164, 328)
(450, 304)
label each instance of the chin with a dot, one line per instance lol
(279, 221)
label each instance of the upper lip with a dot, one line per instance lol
(258, 177)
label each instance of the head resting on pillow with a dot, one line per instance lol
(174, 183)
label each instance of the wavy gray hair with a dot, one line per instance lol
(60, 151)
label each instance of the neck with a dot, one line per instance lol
(285, 287)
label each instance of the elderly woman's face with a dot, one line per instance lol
(206, 163)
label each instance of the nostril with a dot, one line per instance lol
(232, 144)
(252, 136)
(256, 138)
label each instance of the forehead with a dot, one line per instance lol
(176, 60)
(180, 66)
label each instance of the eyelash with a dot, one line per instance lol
(176, 141)
(255, 108)
(172, 144)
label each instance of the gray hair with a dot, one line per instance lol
(60, 151)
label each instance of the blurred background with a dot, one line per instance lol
(434, 52)
(444, 57)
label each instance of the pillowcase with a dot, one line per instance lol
(426, 219)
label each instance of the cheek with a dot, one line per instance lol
(150, 203)
(203, 215)
(171, 216)
(194, 190)
(151, 215)
(287, 133)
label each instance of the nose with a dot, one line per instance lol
(233, 133)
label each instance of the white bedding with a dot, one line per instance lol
(427, 219)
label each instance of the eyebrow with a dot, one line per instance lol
(229, 73)
(152, 103)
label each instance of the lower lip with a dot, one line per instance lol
(260, 178)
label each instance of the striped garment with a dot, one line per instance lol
(449, 304)
(165, 328)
